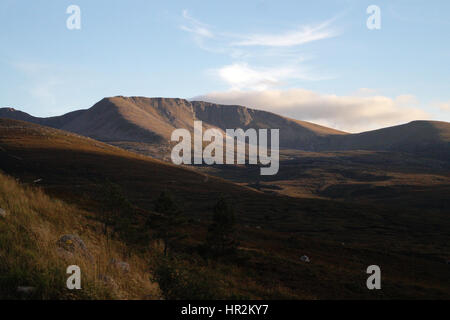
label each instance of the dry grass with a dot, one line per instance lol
(30, 255)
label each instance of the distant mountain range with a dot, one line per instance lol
(152, 120)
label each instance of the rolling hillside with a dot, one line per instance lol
(341, 238)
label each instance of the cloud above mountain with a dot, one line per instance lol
(261, 60)
(443, 106)
(289, 38)
(360, 112)
(298, 36)
(267, 69)
(239, 76)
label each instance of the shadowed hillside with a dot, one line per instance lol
(274, 231)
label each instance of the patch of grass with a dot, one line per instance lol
(30, 255)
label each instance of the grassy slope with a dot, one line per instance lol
(30, 255)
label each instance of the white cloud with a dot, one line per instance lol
(265, 49)
(291, 38)
(196, 27)
(348, 113)
(241, 76)
(364, 92)
(406, 100)
(443, 106)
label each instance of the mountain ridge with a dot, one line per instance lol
(152, 120)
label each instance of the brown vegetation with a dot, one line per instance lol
(342, 238)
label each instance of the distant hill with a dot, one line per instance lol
(152, 120)
(428, 138)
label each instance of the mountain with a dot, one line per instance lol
(293, 133)
(151, 121)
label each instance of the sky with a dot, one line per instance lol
(311, 60)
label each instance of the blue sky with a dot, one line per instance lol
(311, 60)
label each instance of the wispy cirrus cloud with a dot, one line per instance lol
(302, 35)
(256, 57)
(195, 27)
(298, 36)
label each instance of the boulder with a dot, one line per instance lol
(3, 213)
(121, 265)
(72, 243)
(26, 290)
(305, 259)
